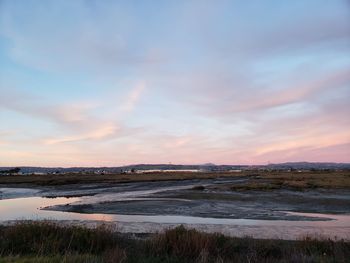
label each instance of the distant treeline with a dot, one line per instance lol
(10, 171)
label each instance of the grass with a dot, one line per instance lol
(52, 259)
(257, 180)
(74, 178)
(333, 179)
(49, 242)
(268, 181)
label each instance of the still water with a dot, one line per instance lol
(29, 208)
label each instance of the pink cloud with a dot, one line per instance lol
(133, 97)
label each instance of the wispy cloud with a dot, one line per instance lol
(133, 97)
(28, 104)
(77, 120)
(187, 81)
(100, 133)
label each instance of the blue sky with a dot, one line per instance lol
(97, 83)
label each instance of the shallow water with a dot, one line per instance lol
(29, 208)
(6, 193)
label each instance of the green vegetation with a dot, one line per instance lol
(48, 242)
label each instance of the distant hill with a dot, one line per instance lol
(308, 165)
(206, 167)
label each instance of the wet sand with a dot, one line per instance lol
(147, 207)
(180, 198)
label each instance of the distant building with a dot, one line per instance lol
(163, 171)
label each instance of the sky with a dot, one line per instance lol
(109, 83)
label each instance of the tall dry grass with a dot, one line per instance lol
(48, 242)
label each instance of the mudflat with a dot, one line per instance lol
(248, 195)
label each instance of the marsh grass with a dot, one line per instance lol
(296, 181)
(49, 242)
(258, 180)
(78, 178)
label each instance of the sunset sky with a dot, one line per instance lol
(109, 83)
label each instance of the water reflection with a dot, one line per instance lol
(29, 209)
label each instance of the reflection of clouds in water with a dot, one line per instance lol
(58, 201)
(339, 220)
(8, 193)
(99, 217)
(27, 208)
(30, 207)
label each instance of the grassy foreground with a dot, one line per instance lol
(49, 242)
